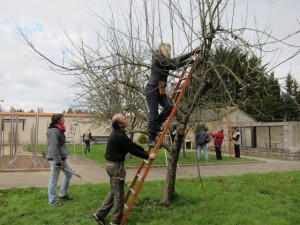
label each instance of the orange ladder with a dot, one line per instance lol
(141, 176)
(229, 133)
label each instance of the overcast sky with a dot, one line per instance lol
(26, 82)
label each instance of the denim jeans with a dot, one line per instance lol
(204, 148)
(153, 100)
(87, 145)
(55, 171)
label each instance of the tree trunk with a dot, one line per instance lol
(169, 192)
(173, 157)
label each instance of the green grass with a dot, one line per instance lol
(98, 151)
(251, 199)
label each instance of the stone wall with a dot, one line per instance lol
(269, 153)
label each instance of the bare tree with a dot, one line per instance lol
(112, 75)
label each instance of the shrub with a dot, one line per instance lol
(142, 139)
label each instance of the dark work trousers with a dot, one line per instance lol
(237, 151)
(153, 100)
(87, 145)
(218, 153)
(115, 197)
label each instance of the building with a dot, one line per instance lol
(28, 127)
(279, 140)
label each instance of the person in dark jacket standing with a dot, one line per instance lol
(202, 137)
(118, 145)
(218, 137)
(155, 88)
(57, 157)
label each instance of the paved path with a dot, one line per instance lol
(94, 173)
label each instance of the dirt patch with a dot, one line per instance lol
(23, 163)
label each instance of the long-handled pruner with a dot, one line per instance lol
(72, 172)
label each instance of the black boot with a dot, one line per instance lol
(151, 140)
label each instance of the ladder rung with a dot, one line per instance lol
(183, 78)
(132, 191)
(125, 206)
(178, 91)
(146, 161)
(139, 176)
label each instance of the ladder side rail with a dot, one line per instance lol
(134, 180)
(161, 138)
(174, 110)
(133, 199)
(229, 134)
(197, 59)
(137, 191)
(140, 168)
(178, 83)
(71, 135)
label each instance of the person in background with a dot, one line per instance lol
(118, 145)
(155, 92)
(87, 137)
(218, 140)
(202, 137)
(236, 138)
(57, 157)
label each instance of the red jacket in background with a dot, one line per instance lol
(218, 137)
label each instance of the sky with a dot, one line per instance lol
(26, 81)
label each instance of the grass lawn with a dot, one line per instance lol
(251, 199)
(98, 151)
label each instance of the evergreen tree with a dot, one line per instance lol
(242, 81)
(70, 110)
(291, 108)
(296, 92)
(291, 99)
(289, 81)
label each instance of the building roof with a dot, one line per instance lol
(44, 114)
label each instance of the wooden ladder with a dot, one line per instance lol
(142, 172)
(229, 133)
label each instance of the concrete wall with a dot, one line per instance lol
(280, 135)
